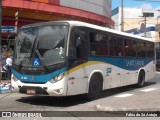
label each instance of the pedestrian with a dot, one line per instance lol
(8, 65)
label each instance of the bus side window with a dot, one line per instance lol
(93, 45)
(79, 47)
(116, 46)
(77, 51)
(98, 44)
(130, 48)
(141, 49)
(111, 47)
(150, 49)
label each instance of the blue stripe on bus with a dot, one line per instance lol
(38, 78)
(124, 63)
(130, 64)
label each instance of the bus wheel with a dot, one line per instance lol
(141, 79)
(95, 88)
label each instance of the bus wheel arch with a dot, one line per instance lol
(141, 78)
(95, 86)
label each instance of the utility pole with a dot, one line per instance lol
(16, 21)
(145, 15)
(145, 23)
(122, 17)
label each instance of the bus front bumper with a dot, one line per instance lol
(52, 89)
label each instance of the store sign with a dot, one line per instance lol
(7, 29)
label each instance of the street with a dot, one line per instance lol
(127, 98)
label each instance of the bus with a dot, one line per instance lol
(64, 58)
(157, 59)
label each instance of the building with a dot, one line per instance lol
(31, 11)
(135, 22)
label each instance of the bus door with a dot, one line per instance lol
(77, 62)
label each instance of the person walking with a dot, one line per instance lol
(8, 65)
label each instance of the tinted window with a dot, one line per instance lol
(116, 46)
(150, 49)
(78, 44)
(141, 49)
(98, 44)
(130, 48)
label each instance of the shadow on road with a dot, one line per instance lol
(114, 91)
(54, 101)
(74, 100)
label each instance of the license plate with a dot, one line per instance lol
(31, 91)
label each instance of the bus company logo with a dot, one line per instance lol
(32, 77)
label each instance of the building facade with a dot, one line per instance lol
(21, 12)
(136, 23)
(30, 11)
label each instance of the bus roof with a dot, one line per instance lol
(79, 23)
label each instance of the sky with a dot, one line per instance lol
(144, 4)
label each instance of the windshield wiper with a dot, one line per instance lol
(24, 58)
(43, 62)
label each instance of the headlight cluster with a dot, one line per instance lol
(57, 78)
(13, 77)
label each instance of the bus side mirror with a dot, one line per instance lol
(13, 35)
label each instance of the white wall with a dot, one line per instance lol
(101, 7)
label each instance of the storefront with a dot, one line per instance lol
(33, 11)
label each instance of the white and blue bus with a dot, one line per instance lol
(64, 58)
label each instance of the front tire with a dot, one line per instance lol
(95, 88)
(141, 79)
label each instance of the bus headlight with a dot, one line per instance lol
(13, 77)
(57, 78)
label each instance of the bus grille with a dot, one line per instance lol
(32, 72)
(33, 82)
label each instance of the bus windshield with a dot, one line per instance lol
(45, 42)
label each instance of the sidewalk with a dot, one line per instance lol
(137, 101)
